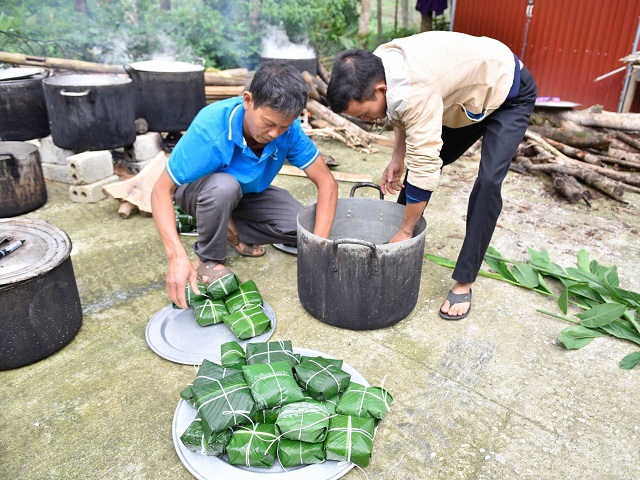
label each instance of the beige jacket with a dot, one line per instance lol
(434, 79)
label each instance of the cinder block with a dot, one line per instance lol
(49, 153)
(89, 167)
(91, 193)
(56, 173)
(147, 146)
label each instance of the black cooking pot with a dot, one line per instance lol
(90, 112)
(168, 94)
(301, 64)
(23, 110)
(22, 187)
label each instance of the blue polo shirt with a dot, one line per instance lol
(214, 143)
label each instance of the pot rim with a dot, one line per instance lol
(166, 66)
(88, 80)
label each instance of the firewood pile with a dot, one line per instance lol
(585, 153)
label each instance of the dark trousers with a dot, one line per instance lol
(501, 133)
(259, 218)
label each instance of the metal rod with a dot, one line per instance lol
(623, 94)
(606, 75)
(453, 15)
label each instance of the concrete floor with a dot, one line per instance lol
(494, 396)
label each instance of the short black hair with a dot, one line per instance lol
(354, 75)
(280, 86)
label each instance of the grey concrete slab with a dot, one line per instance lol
(494, 396)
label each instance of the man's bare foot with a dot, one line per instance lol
(458, 308)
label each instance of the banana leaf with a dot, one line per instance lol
(321, 378)
(306, 422)
(255, 446)
(231, 353)
(224, 403)
(195, 439)
(293, 452)
(246, 296)
(208, 372)
(223, 286)
(268, 415)
(272, 384)
(350, 439)
(248, 323)
(330, 404)
(192, 297)
(269, 352)
(361, 401)
(209, 312)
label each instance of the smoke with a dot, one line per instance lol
(116, 50)
(276, 44)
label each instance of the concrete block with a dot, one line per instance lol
(147, 146)
(89, 167)
(56, 173)
(91, 193)
(50, 153)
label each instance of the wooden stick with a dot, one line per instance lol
(63, 63)
(339, 176)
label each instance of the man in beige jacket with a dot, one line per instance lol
(441, 91)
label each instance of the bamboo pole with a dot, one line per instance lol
(62, 63)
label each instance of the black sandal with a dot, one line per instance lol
(453, 299)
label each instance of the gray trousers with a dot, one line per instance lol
(259, 218)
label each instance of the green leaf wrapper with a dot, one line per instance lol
(254, 446)
(269, 415)
(321, 378)
(208, 372)
(293, 452)
(222, 287)
(224, 403)
(246, 296)
(196, 440)
(361, 401)
(191, 296)
(304, 421)
(272, 384)
(269, 352)
(330, 404)
(248, 323)
(350, 439)
(209, 312)
(231, 353)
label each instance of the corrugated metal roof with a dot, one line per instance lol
(569, 43)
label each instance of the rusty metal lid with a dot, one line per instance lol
(45, 248)
(19, 73)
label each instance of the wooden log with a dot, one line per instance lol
(62, 63)
(628, 139)
(595, 118)
(126, 209)
(313, 91)
(624, 155)
(578, 139)
(575, 152)
(320, 111)
(219, 80)
(223, 91)
(320, 85)
(339, 176)
(567, 186)
(323, 73)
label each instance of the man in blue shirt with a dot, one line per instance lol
(221, 172)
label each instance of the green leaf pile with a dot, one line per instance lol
(606, 308)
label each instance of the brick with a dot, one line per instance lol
(91, 193)
(56, 173)
(50, 153)
(89, 167)
(147, 146)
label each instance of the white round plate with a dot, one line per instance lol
(205, 467)
(286, 248)
(175, 335)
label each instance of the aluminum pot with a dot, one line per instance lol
(23, 110)
(355, 279)
(22, 187)
(168, 94)
(41, 311)
(90, 112)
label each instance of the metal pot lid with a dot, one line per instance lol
(45, 248)
(19, 73)
(88, 80)
(17, 149)
(166, 66)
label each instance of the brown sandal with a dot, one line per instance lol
(206, 269)
(247, 250)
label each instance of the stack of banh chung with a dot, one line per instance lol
(238, 305)
(268, 403)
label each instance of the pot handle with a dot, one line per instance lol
(7, 154)
(199, 61)
(133, 74)
(65, 93)
(351, 241)
(366, 184)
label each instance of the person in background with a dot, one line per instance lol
(221, 170)
(442, 91)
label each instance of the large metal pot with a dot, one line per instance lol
(168, 94)
(90, 112)
(23, 110)
(301, 64)
(355, 279)
(41, 310)
(22, 187)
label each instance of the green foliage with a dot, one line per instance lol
(594, 288)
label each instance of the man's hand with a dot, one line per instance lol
(391, 181)
(180, 273)
(401, 236)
